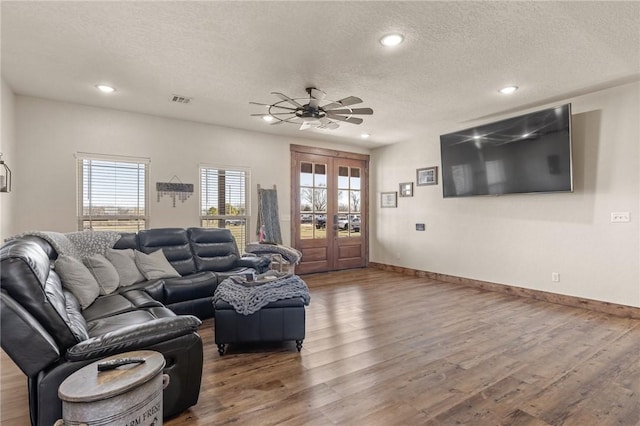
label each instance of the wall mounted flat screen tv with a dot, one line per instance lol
(526, 154)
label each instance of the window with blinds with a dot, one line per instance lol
(224, 201)
(112, 194)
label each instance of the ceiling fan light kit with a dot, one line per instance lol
(314, 111)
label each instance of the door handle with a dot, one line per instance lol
(335, 222)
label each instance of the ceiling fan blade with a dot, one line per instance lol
(272, 113)
(273, 106)
(350, 100)
(363, 111)
(353, 120)
(328, 124)
(286, 98)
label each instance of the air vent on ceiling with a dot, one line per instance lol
(181, 99)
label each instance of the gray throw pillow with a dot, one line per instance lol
(104, 272)
(125, 263)
(77, 279)
(155, 265)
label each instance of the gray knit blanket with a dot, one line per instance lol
(248, 298)
(76, 244)
(290, 254)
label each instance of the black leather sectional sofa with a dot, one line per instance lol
(48, 335)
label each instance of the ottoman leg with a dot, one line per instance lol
(221, 348)
(299, 345)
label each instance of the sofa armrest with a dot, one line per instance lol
(260, 263)
(24, 339)
(133, 337)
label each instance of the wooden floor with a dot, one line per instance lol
(384, 348)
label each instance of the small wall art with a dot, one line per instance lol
(427, 176)
(406, 189)
(389, 199)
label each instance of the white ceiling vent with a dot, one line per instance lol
(181, 99)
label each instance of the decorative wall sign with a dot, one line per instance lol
(174, 189)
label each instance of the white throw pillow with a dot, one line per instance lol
(155, 265)
(77, 279)
(104, 272)
(125, 263)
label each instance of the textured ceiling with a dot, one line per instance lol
(225, 54)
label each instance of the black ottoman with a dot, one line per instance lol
(279, 321)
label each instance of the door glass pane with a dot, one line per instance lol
(343, 201)
(320, 175)
(349, 201)
(313, 201)
(354, 182)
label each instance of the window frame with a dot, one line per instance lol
(142, 221)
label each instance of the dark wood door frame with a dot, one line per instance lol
(295, 193)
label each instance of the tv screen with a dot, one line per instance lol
(526, 154)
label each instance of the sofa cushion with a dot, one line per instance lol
(214, 249)
(104, 325)
(26, 275)
(115, 303)
(155, 265)
(77, 279)
(194, 286)
(154, 288)
(175, 245)
(125, 263)
(105, 306)
(128, 240)
(104, 272)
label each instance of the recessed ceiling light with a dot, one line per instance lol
(391, 40)
(105, 89)
(267, 118)
(365, 135)
(508, 90)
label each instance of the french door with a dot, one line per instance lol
(329, 208)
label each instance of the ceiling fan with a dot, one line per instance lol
(313, 111)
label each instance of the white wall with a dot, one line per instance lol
(50, 133)
(521, 239)
(7, 147)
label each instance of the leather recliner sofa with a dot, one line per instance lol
(48, 335)
(204, 257)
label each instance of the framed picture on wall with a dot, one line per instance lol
(427, 176)
(406, 189)
(389, 199)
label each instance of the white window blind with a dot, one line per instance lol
(224, 201)
(112, 194)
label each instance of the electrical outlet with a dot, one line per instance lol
(620, 217)
(555, 277)
(420, 227)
